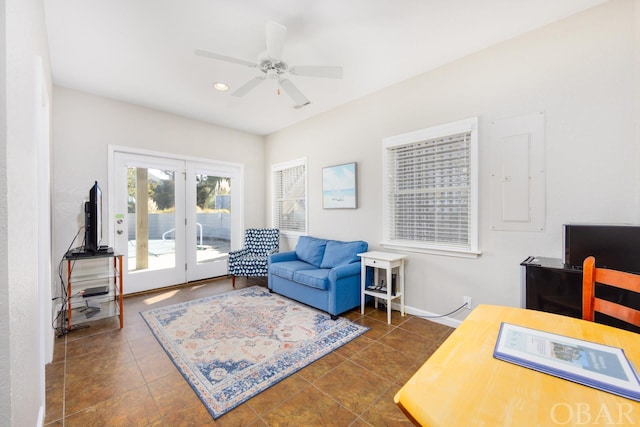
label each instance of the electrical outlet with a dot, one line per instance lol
(467, 302)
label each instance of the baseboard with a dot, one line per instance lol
(448, 321)
(40, 421)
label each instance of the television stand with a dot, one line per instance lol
(82, 252)
(97, 276)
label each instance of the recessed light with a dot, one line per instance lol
(220, 86)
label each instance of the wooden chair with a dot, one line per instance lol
(618, 279)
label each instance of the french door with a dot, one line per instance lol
(216, 215)
(175, 220)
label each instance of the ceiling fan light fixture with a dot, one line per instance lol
(272, 67)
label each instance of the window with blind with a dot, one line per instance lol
(290, 196)
(430, 191)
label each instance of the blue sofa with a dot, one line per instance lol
(322, 273)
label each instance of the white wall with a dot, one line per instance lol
(581, 71)
(85, 125)
(5, 342)
(25, 61)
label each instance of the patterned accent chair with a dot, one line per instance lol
(251, 260)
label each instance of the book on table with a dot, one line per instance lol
(595, 365)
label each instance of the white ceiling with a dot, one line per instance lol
(142, 51)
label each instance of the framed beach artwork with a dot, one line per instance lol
(339, 187)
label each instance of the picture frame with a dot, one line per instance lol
(584, 362)
(339, 186)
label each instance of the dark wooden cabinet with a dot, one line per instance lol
(552, 287)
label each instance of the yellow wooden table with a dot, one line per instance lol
(462, 384)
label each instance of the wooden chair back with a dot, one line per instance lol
(618, 279)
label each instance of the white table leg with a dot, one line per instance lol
(376, 277)
(363, 278)
(389, 294)
(400, 285)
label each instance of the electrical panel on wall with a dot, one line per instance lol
(518, 173)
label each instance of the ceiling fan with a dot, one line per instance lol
(272, 67)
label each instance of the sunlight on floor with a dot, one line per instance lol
(161, 297)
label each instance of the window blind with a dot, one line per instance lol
(290, 199)
(429, 191)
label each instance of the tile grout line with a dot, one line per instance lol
(349, 359)
(146, 382)
(313, 384)
(64, 382)
(370, 316)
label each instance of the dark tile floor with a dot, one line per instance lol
(104, 376)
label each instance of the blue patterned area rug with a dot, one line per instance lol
(232, 346)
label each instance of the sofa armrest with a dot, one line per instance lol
(233, 255)
(343, 271)
(283, 256)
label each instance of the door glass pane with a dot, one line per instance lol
(151, 211)
(213, 217)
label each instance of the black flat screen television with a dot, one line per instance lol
(614, 246)
(93, 220)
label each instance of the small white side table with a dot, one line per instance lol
(383, 261)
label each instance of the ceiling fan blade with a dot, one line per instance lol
(317, 71)
(293, 92)
(244, 89)
(206, 53)
(276, 34)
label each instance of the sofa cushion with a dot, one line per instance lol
(287, 268)
(317, 278)
(339, 253)
(310, 249)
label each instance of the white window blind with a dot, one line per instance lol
(430, 189)
(290, 197)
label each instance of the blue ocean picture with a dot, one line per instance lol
(339, 186)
